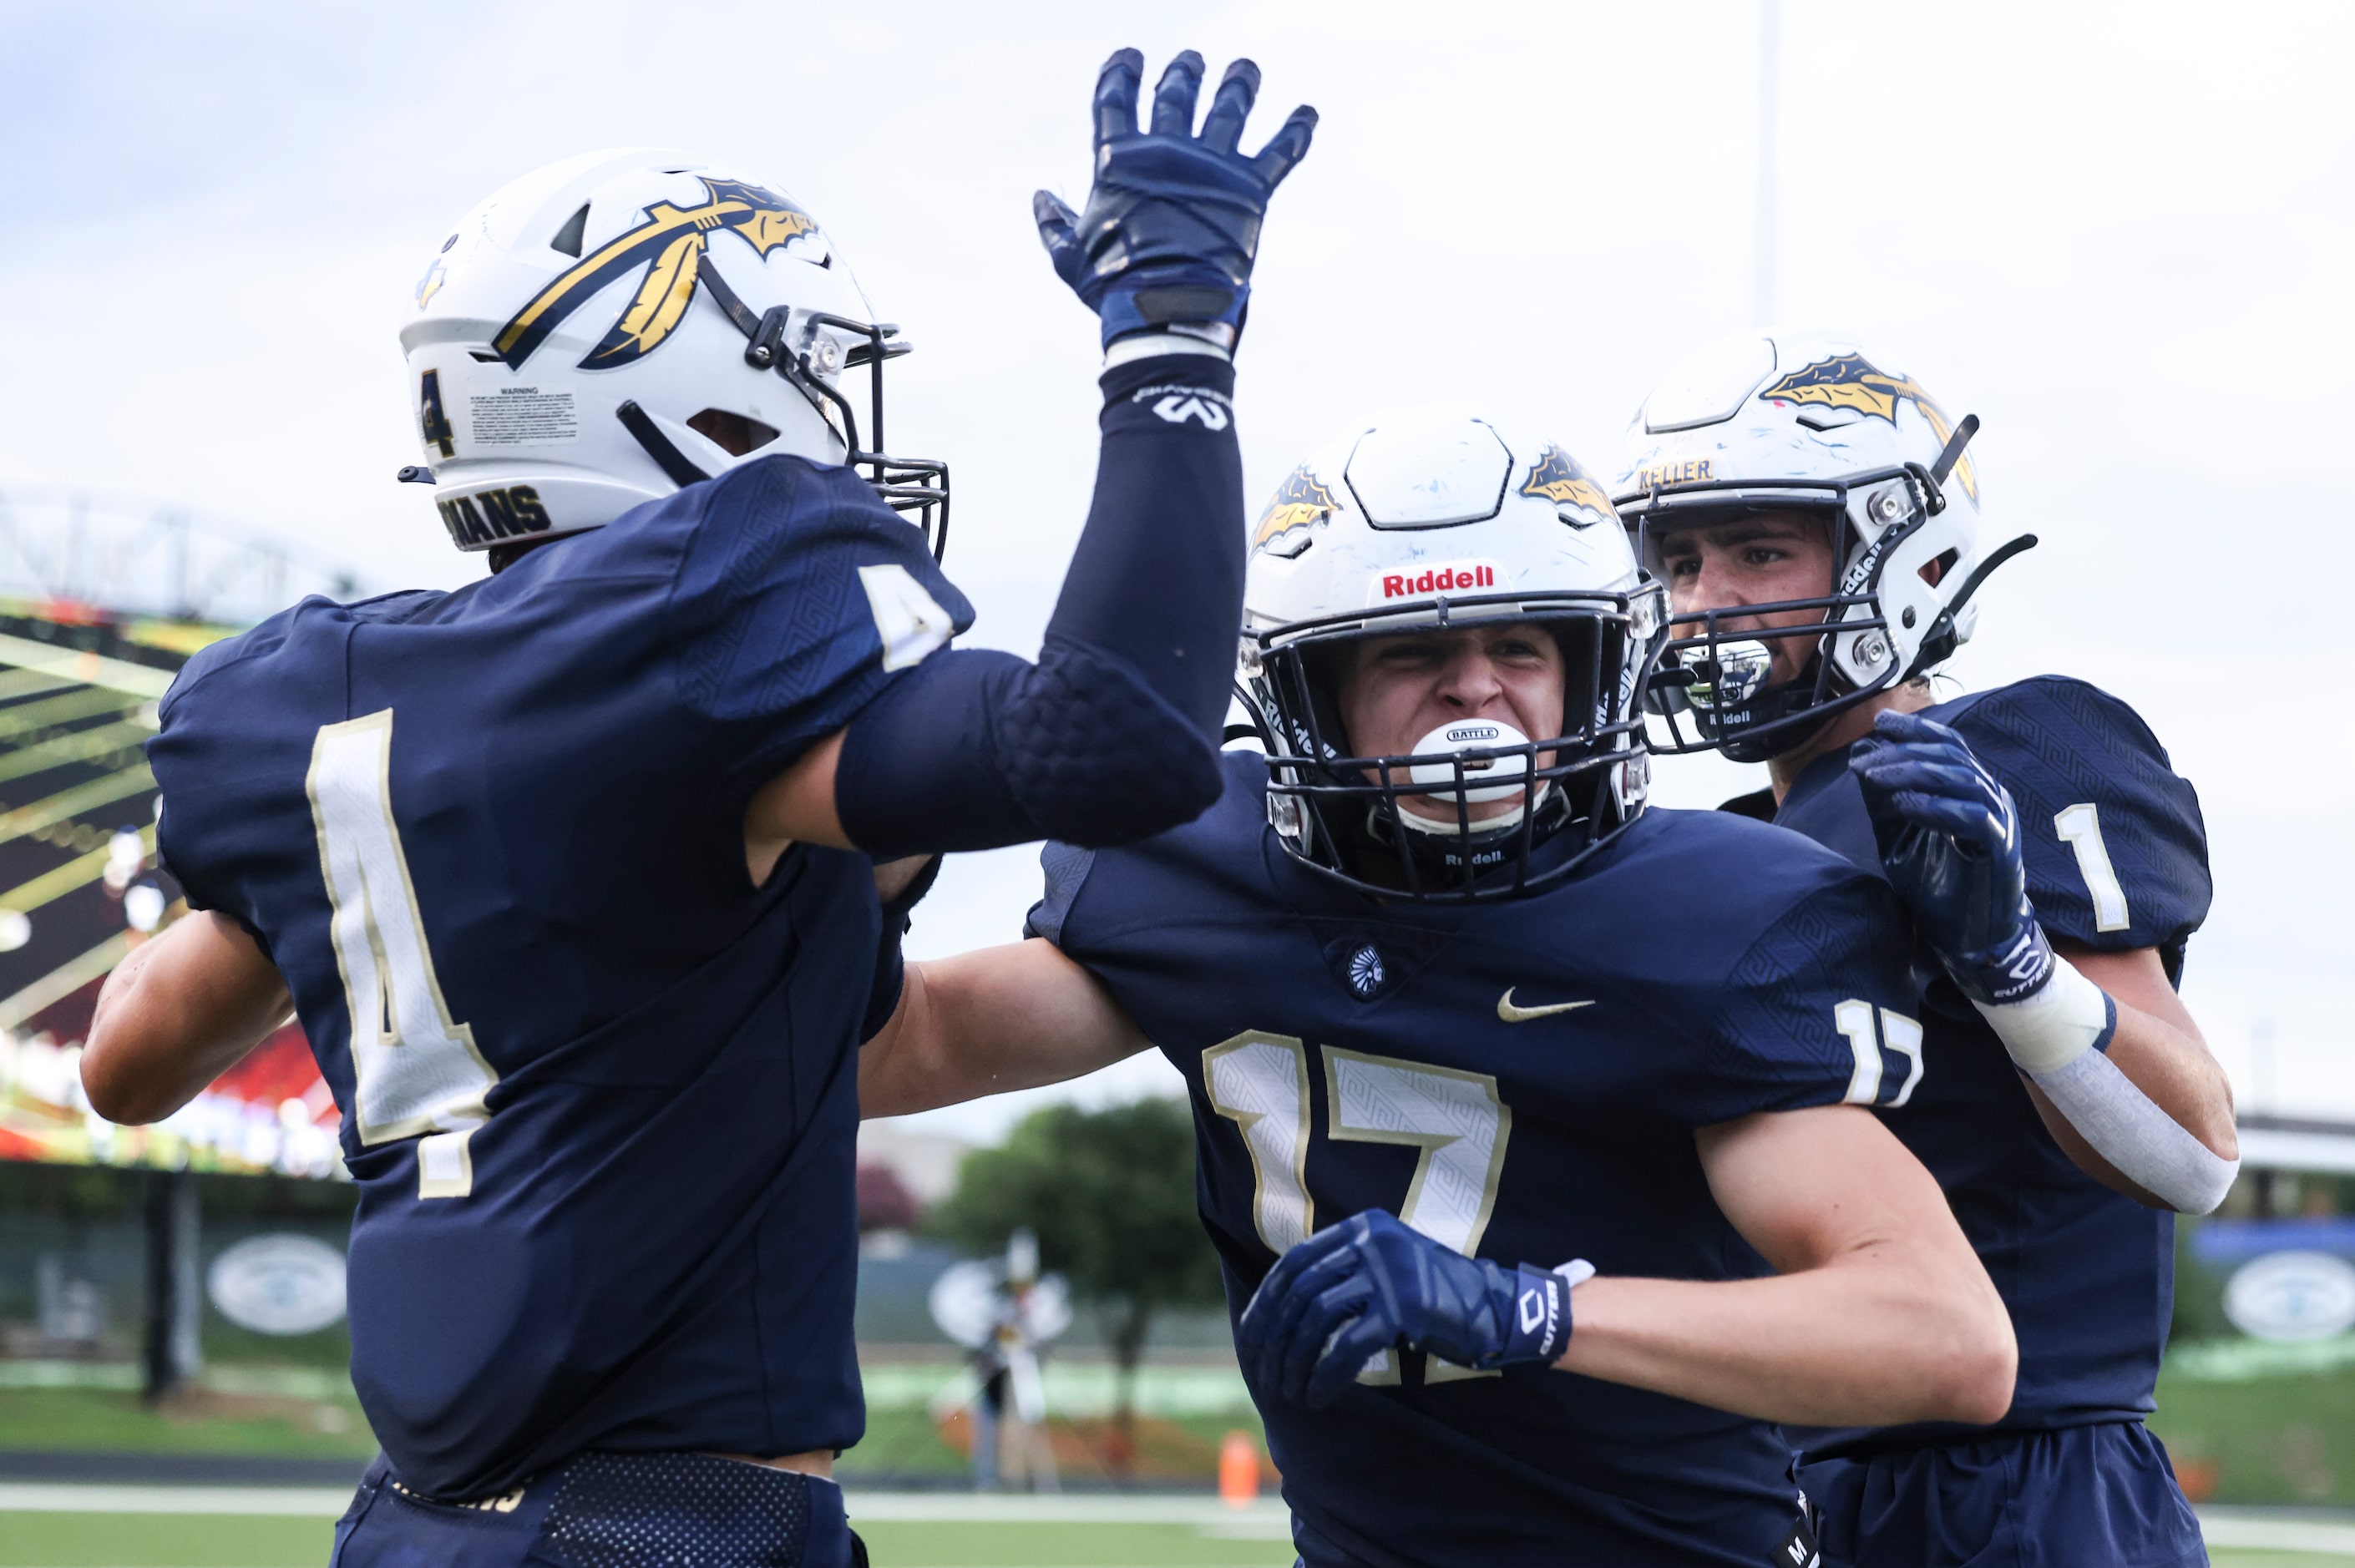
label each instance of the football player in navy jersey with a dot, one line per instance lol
(1816, 520)
(576, 876)
(1499, 1079)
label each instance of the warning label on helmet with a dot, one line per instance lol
(522, 416)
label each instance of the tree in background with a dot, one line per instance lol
(1110, 1194)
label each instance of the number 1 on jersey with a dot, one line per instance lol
(2080, 827)
(415, 1069)
(1260, 1082)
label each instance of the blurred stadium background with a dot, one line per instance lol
(171, 1331)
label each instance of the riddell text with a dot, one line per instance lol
(1445, 579)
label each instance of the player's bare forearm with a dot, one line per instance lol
(1879, 1314)
(179, 1012)
(1859, 1342)
(2159, 1048)
(987, 1023)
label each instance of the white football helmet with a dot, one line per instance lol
(611, 328)
(1783, 421)
(1439, 519)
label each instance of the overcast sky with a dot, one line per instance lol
(2120, 234)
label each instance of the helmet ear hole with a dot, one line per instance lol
(1933, 572)
(735, 434)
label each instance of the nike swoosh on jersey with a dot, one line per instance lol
(1511, 1015)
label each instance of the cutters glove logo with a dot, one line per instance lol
(1541, 1327)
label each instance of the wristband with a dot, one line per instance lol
(2062, 1020)
(1184, 338)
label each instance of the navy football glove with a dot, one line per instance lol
(1368, 1283)
(1950, 841)
(1172, 223)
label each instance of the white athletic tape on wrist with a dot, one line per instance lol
(2068, 1016)
(1151, 344)
(2126, 1127)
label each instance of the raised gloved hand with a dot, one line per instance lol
(1950, 842)
(1172, 224)
(1368, 1283)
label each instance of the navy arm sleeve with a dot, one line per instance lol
(1112, 735)
(2116, 849)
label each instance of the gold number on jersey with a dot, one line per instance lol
(1260, 1082)
(415, 1068)
(1455, 1119)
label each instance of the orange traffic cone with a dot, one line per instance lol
(1238, 1470)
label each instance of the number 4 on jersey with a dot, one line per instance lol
(909, 620)
(415, 1069)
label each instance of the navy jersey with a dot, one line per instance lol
(598, 1087)
(1521, 1081)
(2116, 860)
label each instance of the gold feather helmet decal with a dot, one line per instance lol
(1300, 501)
(1557, 477)
(673, 239)
(1848, 381)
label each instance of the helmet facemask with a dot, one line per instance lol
(807, 350)
(1346, 812)
(1772, 421)
(1882, 623)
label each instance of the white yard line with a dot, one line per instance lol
(60, 1497)
(1095, 1508)
(2264, 1530)
(960, 1508)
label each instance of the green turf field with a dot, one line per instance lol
(183, 1540)
(2260, 1435)
(928, 1531)
(2278, 1439)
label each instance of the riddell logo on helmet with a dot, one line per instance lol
(1419, 582)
